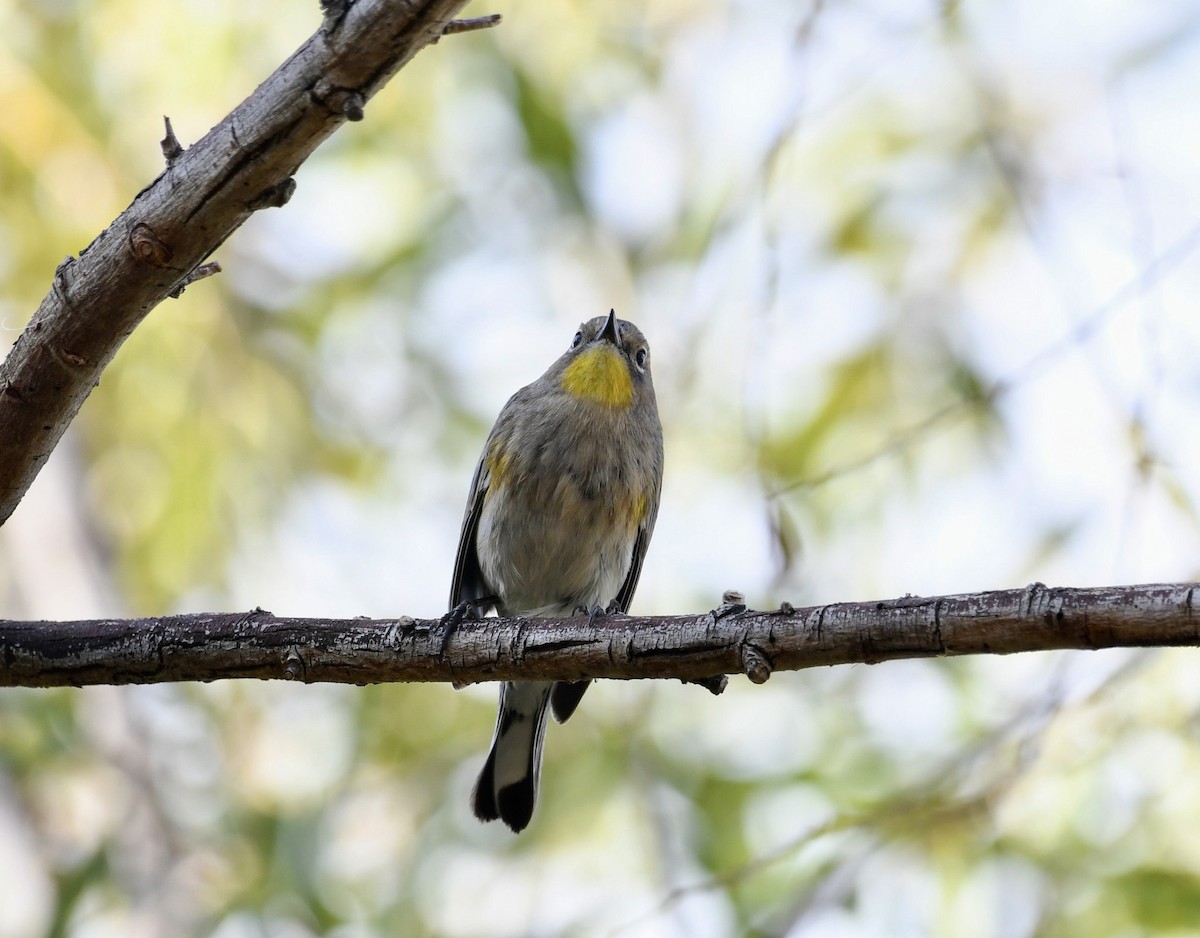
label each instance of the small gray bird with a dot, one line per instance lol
(561, 509)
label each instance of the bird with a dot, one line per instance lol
(560, 513)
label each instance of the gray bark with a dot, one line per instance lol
(730, 639)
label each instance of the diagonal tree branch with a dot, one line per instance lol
(728, 640)
(159, 244)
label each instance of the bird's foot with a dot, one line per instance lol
(596, 613)
(461, 613)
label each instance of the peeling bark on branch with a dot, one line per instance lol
(158, 244)
(729, 640)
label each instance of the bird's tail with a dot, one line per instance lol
(508, 785)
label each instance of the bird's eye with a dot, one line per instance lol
(640, 358)
(578, 338)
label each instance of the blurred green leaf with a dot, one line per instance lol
(1160, 900)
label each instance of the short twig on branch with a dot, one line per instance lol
(200, 273)
(171, 149)
(696, 648)
(472, 23)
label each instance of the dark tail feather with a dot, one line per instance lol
(516, 803)
(483, 798)
(507, 785)
(513, 804)
(565, 697)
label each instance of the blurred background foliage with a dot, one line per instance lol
(920, 280)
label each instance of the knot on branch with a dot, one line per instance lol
(59, 288)
(68, 357)
(346, 102)
(275, 196)
(148, 247)
(755, 664)
(293, 665)
(12, 392)
(732, 603)
(333, 11)
(353, 106)
(715, 685)
(1035, 593)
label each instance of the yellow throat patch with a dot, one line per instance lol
(600, 374)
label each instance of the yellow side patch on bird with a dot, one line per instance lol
(600, 374)
(638, 514)
(497, 464)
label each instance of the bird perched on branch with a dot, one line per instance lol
(560, 513)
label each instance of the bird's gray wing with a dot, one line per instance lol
(640, 544)
(468, 584)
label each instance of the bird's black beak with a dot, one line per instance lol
(610, 329)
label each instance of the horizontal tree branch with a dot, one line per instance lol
(730, 639)
(159, 243)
